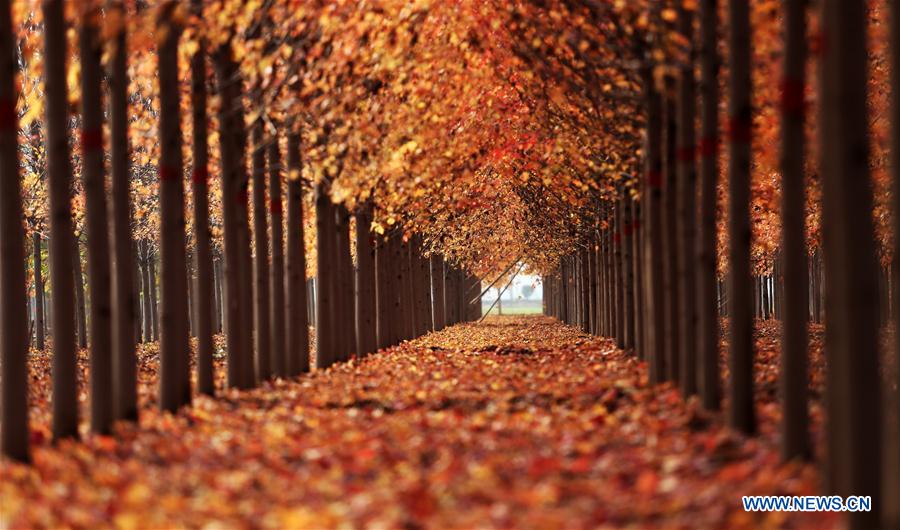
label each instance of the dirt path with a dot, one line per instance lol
(515, 422)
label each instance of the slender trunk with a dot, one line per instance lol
(895, 266)
(627, 270)
(653, 260)
(261, 314)
(637, 260)
(59, 186)
(618, 270)
(174, 350)
(741, 414)
(686, 190)
(707, 281)
(136, 280)
(145, 277)
(407, 306)
(96, 223)
(219, 288)
(13, 317)
(853, 399)
(437, 290)
(346, 314)
(123, 304)
(326, 279)
(276, 285)
(80, 298)
(203, 283)
(384, 292)
(38, 290)
(671, 241)
(154, 305)
(234, 198)
(297, 355)
(365, 283)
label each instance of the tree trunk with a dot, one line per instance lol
(853, 399)
(234, 198)
(80, 298)
(741, 414)
(326, 279)
(123, 303)
(13, 317)
(407, 307)
(174, 350)
(627, 270)
(146, 286)
(366, 331)
(345, 315)
(154, 304)
(204, 287)
(437, 289)
(707, 281)
(276, 280)
(654, 305)
(262, 321)
(297, 354)
(686, 190)
(38, 290)
(59, 186)
(637, 273)
(794, 341)
(97, 224)
(384, 293)
(671, 241)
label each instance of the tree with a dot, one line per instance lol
(13, 319)
(794, 353)
(853, 460)
(203, 264)
(175, 383)
(740, 287)
(59, 185)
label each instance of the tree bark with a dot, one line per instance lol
(686, 190)
(174, 350)
(326, 279)
(366, 331)
(80, 303)
(38, 288)
(671, 241)
(13, 317)
(741, 416)
(204, 286)
(262, 321)
(384, 293)
(234, 199)
(276, 286)
(145, 278)
(437, 289)
(154, 304)
(345, 314)
(59, 185)
(97, 224)
(853, 395)
(297, 354)
(123, 303)
(654, 304)
(707, 282)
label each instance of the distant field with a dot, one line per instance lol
(515, 307)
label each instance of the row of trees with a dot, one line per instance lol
(397, 289)
(648, 275)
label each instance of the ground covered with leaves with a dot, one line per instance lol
(513, 422)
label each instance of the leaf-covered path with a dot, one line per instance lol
(514, 422)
